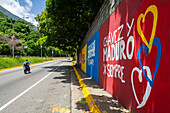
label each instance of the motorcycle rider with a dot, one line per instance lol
(26, 65)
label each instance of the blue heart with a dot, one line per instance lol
(158, 45)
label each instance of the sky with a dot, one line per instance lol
(24, 8)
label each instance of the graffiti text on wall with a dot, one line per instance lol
(115, 48)
(91, 53)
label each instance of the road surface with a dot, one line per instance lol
(45, 90)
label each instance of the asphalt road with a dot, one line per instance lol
(45, 90)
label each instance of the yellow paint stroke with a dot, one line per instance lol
(57, 109)
(154, 11)
(91, 103)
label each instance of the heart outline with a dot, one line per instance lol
(154, 11)
(159, 49)
(148, 88)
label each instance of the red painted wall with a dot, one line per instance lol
(80, 57)
(134, 66)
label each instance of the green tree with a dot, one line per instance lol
(4, 49)
(24, 33)
(66, 22)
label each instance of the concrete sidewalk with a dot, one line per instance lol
(105, 102)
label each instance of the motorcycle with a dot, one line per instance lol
(26, 70)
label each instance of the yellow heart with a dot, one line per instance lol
(154, 11)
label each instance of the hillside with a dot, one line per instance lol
(25, 35)
(9, 14)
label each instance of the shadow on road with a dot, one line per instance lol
(63, 70)
(106, 104)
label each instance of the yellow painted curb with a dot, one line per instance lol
(91, 103)
(10, 68)
(22, 65)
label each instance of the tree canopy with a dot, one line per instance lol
(66, 22)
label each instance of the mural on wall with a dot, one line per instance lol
(147, 46)
(129, 55)
(93, 57)
(133, 59)
(83, 58)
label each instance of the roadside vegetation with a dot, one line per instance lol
(74, 62)
(7, 62)
(27, 39)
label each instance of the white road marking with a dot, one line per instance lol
(14, 99)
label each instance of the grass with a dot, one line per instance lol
(74, 62)
(7, 62)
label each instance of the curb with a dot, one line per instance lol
(91, 103)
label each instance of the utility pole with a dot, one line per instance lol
(13, 41)
(41, 50)
(52, 51)
(13, 38)
(26, 17)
